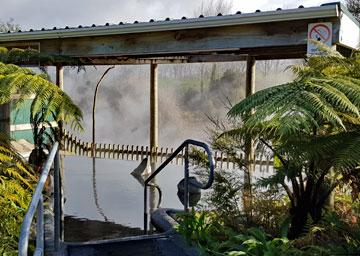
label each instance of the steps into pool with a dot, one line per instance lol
(153, 245)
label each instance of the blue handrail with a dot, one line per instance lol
(185, 145)
(37, 206)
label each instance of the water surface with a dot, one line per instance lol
(115, 196)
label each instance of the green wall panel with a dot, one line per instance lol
(22, 114)
(26, 135)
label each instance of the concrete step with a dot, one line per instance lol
(157, 245)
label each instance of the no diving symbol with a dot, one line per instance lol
(320, 33)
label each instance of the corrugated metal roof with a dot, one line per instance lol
(324, 11)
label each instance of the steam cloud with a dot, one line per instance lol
(122, 114)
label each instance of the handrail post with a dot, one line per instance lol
(57, 202)
(36, 207)
(40, 225)
(186, 183)
(185, 145)
(145, 209)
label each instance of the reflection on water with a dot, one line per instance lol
(86, 230)
(118, 196)
(96, 198)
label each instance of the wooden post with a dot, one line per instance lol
(249, 144)
(153, 129)
(153, 106)
(60, 84)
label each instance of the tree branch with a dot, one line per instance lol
(282, 160)
(289, 193)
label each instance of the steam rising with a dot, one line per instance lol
(122, 115)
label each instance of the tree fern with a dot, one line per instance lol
(25, 82)
(12, 165)
(312, 125)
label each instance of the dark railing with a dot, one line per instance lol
(184, 145)
(37, 206)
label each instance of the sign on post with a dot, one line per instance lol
(320, 32)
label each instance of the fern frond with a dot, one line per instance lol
(25, 82)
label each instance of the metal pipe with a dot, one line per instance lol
(37, 196)
(177, 151)
(145, 210)
(94, 108)
(186, 143)
(40, 225)
(186, 181)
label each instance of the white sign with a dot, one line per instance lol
(321, 32)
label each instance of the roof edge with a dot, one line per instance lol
(193, 23)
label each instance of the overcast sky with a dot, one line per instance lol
(49, 13)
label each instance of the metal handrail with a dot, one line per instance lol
(37, 206)
(185, 145)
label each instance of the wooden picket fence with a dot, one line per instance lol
(137, 153)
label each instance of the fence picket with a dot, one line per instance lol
(171, 152)
(75, 145)
(221, 159)
(267, 164)
(227, 161)
(132, 153)
(142, 153)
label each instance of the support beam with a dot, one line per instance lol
(249, 144)
(250, 76)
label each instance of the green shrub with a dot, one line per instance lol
(270, 211)
(14, 200)
(206, 232)
(333, 235)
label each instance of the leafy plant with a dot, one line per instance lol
(257, 242)
(14, 200)
(12, 165)
(194, 226)
(44, 135)
(16, 177)
(25, 82)
(312, 125)
(225, 197)
(331, 236)
(270, 212)
(354, 8)
(204, 230)
(50, 101)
